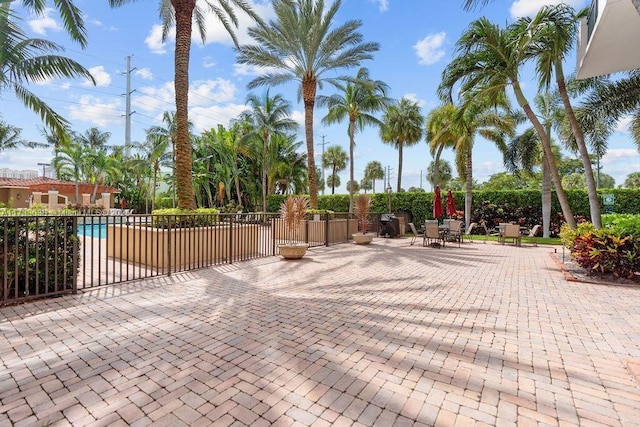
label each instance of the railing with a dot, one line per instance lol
(42, 256)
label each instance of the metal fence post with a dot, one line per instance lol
(168, 243)
(76, 243)
(326, 229)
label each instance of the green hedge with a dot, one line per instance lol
(40, 250)
(516, 202)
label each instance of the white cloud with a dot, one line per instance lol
(414, 98)
(153, 99)
(100, 75)
(143, 73)
(207, 117)
(216, 33)
(208, 62)
(430, 49)
(383, 5)
(203, 92)
(42, 23)
(250, 70)
(298, 117)
(482, 171)
(96, 111)
(623, 124)
(522, 8)
(154, 40)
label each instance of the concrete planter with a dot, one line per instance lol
(363, 239)
(315, 231)
(179, 248)
(293, 251)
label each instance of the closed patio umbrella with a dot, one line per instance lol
(437, 204)
(451, 206)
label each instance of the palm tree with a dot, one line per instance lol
(155, 149)
(301, 46)
(10, 138)
(69, 162)
(439, 135)
(555, 31)
(289, 171)
(268, 116)
(488, 60)
(336, 159)
(182, 14)
(479, 117)
(373, 171)
(525, 149)
(30, 60)
(443, 173)
(402, 126)
(357, 103)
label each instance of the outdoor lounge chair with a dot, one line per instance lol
(512, 231)
(533, 232)
(433, 235)
(467, 233)
(416, 233)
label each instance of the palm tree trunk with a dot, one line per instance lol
(594, 202)
(264, 172)
(309, 97)
(183, 14)
(546, 145)
(546, 198)
(352, 126)
(436, 166)
(237, 182)
(153, 190)
(333, 179)
(399, 166)
(469, 188)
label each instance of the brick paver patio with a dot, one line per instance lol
(388, 335)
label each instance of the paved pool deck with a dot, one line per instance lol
(382, 335)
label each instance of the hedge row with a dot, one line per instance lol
(488, 205)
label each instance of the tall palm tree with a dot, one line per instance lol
(439, 135)
(156, 150)
(358, 101)
(555, 30)
(182, 14)
(302, 46)
(30, 60)
(479, 117)
(373, 171)
(268, 115)
(488, 60)
(525, 150)
(402, 127)
(289, 171)
(336, 159)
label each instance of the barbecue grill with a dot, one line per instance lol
(389, 225)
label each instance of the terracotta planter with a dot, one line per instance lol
(363, 239)
(293, 251)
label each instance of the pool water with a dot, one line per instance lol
(93, 230)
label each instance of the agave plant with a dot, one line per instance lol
(363, 207)
(292, 211)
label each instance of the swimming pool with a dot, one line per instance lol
(93, 230)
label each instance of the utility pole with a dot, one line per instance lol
(44, 167)
(128, 112)
(420, 178)
(324, 183)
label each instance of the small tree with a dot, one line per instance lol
(292, 211)
(363, 207)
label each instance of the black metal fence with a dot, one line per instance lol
(42, 256)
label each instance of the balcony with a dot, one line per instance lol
(608, 39)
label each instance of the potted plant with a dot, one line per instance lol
(292, 212)
(363, 207)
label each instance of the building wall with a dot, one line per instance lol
(15, 173)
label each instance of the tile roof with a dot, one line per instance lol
(45, 184)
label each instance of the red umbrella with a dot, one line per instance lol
(437, 204)
(451, 206)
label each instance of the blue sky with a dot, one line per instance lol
(417, 39)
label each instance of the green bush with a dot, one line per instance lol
(40, 250)
(613, 249)
(179, 218)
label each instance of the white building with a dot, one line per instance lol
(14, 173)
(609, 39)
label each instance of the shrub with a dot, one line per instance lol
(178, 218)
(35, 246)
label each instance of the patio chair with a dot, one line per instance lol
(467, 233)
(455, 231)
(533, 232)
(499, 232)
(512, 231)
(432, 234)
(416, 233)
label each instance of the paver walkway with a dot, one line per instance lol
(388, 335)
